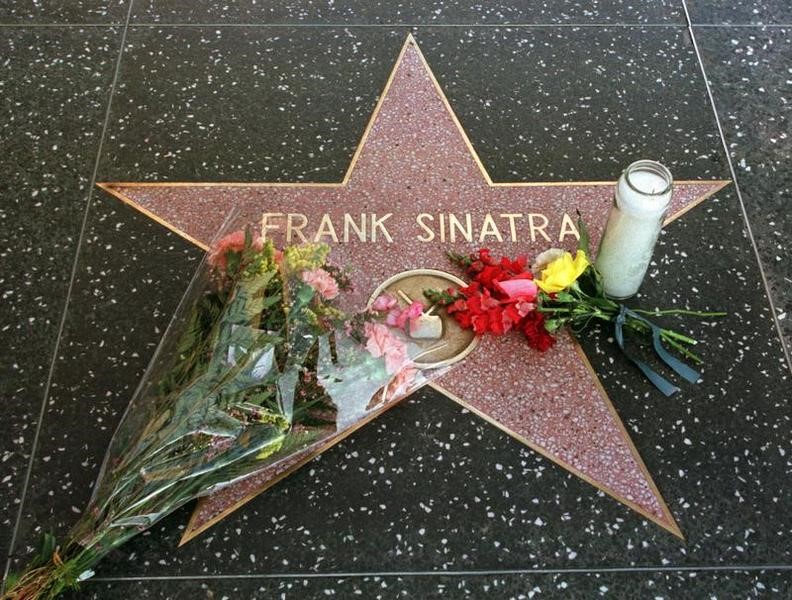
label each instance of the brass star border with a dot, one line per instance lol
(575, 424)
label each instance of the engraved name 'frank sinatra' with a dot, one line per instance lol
(429, 227)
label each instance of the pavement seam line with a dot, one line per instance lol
(62, 323)
(749, 230)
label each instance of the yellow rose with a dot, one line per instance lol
(562, 272)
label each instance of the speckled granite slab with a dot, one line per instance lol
(428, 487)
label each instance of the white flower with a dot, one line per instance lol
(545, 258)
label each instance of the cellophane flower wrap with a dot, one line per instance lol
(256, 366)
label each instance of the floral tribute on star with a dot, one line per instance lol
(558, 290)
(500, 298)
(258, 365)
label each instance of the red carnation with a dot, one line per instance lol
(534, 330)
(484, 256)
(490, 275)
(499, 299)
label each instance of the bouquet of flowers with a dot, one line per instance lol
(257, 365)
(556, 291)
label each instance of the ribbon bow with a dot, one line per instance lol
(660, 382)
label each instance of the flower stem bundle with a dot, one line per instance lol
(257, 365)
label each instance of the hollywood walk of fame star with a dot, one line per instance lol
(415, 159)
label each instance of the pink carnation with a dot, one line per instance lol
(399, 318)
(233, 242)
(382, 343)
(383, 303)
(523, 308)
(524, 289)
(322, 282)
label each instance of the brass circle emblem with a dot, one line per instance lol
(454, 343)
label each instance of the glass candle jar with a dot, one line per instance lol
(641, 200)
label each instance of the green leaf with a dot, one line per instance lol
(583, 243)
(602, 303)
(565, 297)
(270, 301)
(441, 297)
(304, 295)
(48, 546)
(552, 325)
(233, 259)
(11, 580)
(459, 259)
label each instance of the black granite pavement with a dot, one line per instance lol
(156, 90)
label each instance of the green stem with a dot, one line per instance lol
(678, 311)
(581, 294)
(681, 349)
(671, 338)
(678, 336)
(597, 314)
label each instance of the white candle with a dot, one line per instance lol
(642, 197)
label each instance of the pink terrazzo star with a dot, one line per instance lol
(415, 158)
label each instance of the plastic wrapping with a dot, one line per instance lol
(257, 365)
(254, 368)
